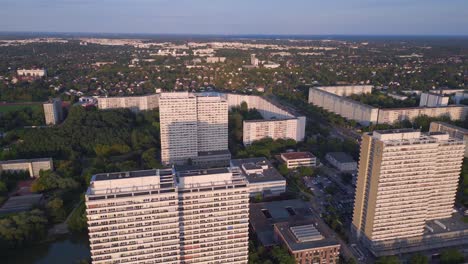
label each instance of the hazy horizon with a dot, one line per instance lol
(242, 17)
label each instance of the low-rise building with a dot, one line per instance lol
(263, 178)
(33, 166)
(341, 161)
(305, 242)
(215, 59)
(298, 159)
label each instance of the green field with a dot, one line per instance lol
(4, 108)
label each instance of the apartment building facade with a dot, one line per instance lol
(134, 103)
(452, 130)
(164, 216)
(53, 111)
(405, 179)
(192, 126)
(279, 122)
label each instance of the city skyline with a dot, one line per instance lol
(300, 17)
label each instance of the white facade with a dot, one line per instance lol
(433, 100)
(159, 216)
(135, 103)
(191, 124)
(279, 122)
(453, 131)
(215, 59)
(405, 179)
(332, 98)
(31, 72)
(298, 159)
(53, 111)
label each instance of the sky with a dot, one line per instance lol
(288, 17)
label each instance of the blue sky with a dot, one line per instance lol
(369, 17)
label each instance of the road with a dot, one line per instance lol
(315, 208)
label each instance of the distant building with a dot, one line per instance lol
(263, 178)
(334, 99)
(452, 130)
(306, 243)
(134, 103)
(194, 127)
(33, 166)
(31, 73)
(253, 60)
(271, 65)
(406, 180)
(168, 216)
(433, 100)
(53, 111)
(87, 101)
(341, 161)
(298, 159)
(215, 59)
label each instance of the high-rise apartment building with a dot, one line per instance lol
(406, 178)
(53, 112)
(163, 216)
(193, 126)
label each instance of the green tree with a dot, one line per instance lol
(451, 256)
(419, 258)
(55, 210)
(149, 159)
(388, 260)
(283, 169)
(50, 180)
(281, 256)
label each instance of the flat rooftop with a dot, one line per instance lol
(304, 236)
(396, 131)
(20, 203)
(297, 155)
(131, 174)
(199, 172)
(269, 173)
(262, 216)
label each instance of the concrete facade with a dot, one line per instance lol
(33, 166)
(279, 122)
(331, 98)
(453, 131)
(406, 178)
(53, 112)
(192, 124)
(31, 72)
(433, 100)
(134, 103)
(298, 159)
(164, 216)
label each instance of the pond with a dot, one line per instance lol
(65, 249)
